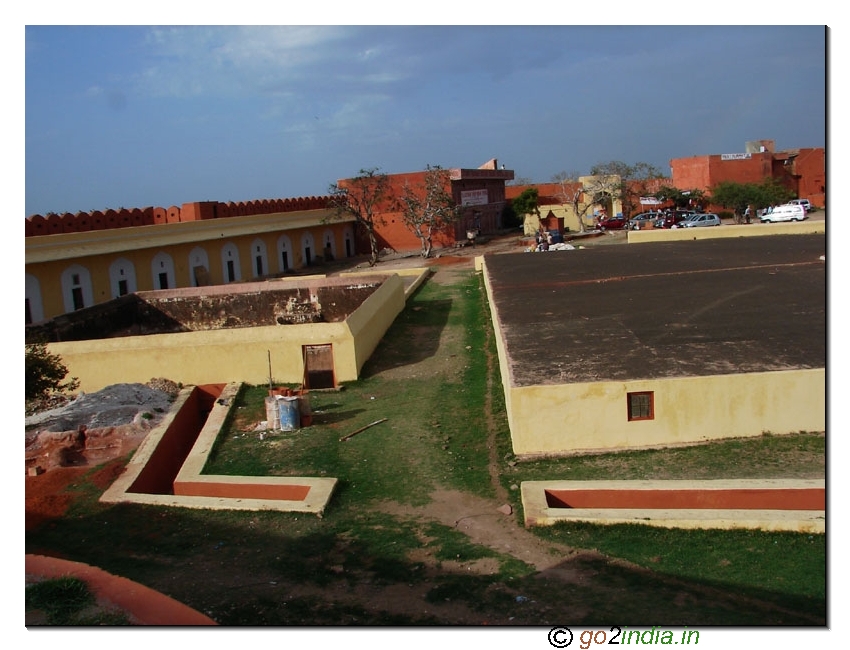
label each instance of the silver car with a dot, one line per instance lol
(699, 220)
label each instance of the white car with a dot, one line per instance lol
(804, 202)
(789, 212)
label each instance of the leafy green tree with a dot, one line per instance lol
(362, 197)
(527, 202)
(680, 198)
(757, 196)
(44, 373)
(510, 219)
(771, 192)
(429, 208)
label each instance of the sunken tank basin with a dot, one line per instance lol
(167, 468)
(766, 504)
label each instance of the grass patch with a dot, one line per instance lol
(395, 459)
(780, 562)
(69, 601)
(796, 455)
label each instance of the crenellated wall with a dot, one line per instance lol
(52, 224)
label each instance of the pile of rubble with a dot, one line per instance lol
(94, 427)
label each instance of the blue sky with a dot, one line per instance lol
(132, 116)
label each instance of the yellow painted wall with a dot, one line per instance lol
(48, 256)
(234, 355)
(531, 222)
(372, 319)
(552, 420)
(562, 419)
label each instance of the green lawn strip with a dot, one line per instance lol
(784, 567)
(797, 455)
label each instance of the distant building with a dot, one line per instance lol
(480, 193)
(801, 170)
(80, 260)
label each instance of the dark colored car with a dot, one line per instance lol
(673, 219)
(613, 223)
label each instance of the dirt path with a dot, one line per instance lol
(488, 522)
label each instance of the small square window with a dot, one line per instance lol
(641, 406)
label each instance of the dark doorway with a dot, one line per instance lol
(319, 367)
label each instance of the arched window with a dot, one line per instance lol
(122, 277)
(76, 288)
(328, 245)
(35, 307)
(162, 271)
(230, 263)
(199, 267)
(259, 259)
(308, 248)
(284, 254)
(348, 238)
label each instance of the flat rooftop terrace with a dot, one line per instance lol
(666, 309)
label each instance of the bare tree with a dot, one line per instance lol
(361, 197)
(430, 207)
(582, 195)
(640, 179)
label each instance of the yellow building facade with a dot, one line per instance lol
(69, 271)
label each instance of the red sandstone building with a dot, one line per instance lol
(801, 170)
(480, 193)
(82, 266)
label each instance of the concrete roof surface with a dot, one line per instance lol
(667, 309)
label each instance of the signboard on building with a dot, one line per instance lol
(735, 156)
(649, 200)
(473, 197)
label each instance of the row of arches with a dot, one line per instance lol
(77, 284)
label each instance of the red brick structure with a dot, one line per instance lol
(801, 170)
(481, 193)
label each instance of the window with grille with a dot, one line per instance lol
(641, 406)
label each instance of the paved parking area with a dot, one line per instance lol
(688, 308)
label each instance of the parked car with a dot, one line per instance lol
(804, 202)
(789, 212)
(673, 218)
(640, 219)
(699, 220)
(613, 223)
